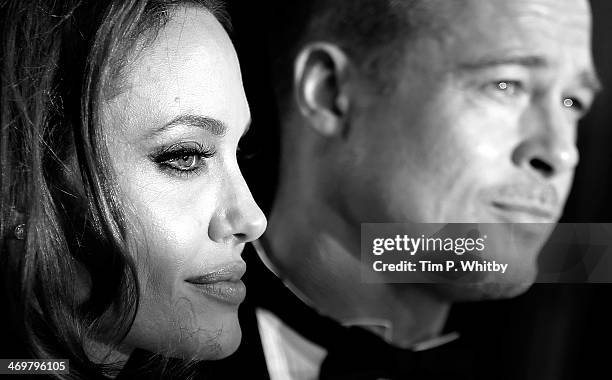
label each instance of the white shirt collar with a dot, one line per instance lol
(290, 356)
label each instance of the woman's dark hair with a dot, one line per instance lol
(59, 60)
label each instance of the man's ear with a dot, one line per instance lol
(321, 69)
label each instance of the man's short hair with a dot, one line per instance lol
(373, 33)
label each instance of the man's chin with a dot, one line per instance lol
(482, 291)
(476, 286)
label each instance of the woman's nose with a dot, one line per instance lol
(237, 216)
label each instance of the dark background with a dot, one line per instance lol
(554, 331)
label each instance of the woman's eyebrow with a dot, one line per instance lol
(211, 125)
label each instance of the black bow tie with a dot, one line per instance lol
(353, 352)
(361, 355)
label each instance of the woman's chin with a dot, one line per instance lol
(225, 344)
(212, 337)
(211, 343)
(230, 346)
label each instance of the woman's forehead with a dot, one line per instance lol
(191, 67)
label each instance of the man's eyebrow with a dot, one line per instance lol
(211, 125)
(588, 78)
(531, 61)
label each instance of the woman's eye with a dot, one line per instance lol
(185, 163)
(183, 159)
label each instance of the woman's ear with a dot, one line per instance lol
(321, 72)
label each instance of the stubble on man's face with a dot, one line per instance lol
(478, 128)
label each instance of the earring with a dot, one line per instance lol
(20, 231)
(17, 219)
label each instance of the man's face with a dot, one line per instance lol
(480, 124)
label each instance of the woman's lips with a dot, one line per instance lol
(222, 283)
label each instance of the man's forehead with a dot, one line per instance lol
(512, 25)
(459, 12)
(466, 35)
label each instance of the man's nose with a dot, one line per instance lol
(548, 145)
(237, 216)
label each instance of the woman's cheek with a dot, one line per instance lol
(172, 241)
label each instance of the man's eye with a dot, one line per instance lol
(506, 87)
(576, 105)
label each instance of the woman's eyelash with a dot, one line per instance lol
(183, 159)
(173, 153)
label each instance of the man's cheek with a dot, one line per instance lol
(563, 185)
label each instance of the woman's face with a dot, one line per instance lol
(172, 135)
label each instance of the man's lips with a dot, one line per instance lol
(525, 203)
(222, 283)
(526, 212)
